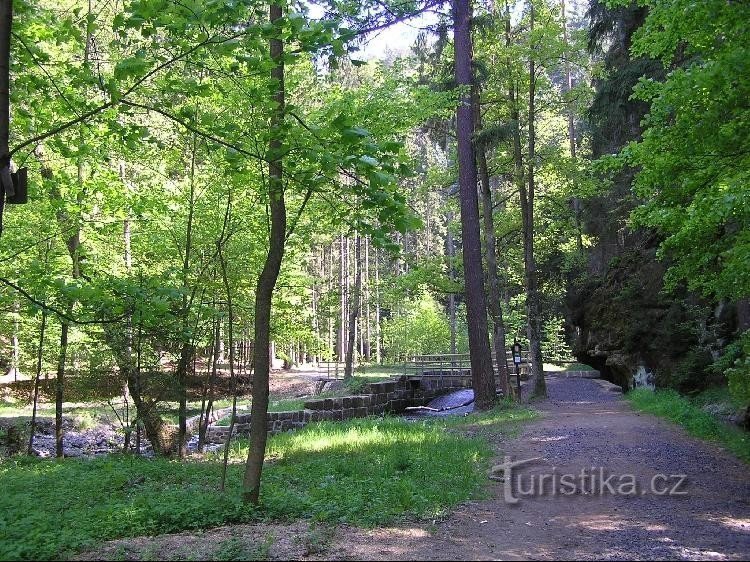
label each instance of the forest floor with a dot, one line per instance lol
(582, 427)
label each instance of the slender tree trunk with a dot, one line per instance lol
(342, 289)
(232, 378)
(368, 334)
(6, 26)
(60, 387)
(451, 251)
(39, 358)
(378, 357)
(206, 412)
(493, 282)
(186, 350)
(318, 272)
(267, 279)
(532, 289)
(73, 244)
(16, 361)
(483, 379)
(354, 311)
(576, 202)
(128, 259)
(518, 168)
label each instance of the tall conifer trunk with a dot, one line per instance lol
(527, 208)
(482, 375)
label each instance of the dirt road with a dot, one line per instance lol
(585, 427)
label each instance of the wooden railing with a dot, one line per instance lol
(455, 364)
(459, 365)
(332, 369)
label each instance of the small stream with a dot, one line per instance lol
(103, 440)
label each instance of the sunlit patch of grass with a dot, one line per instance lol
(287, 404)
(376, 372)
(679, 409)
(503, 414)
(369, 471)
(85, 414)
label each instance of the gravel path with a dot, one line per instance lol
(584, 426)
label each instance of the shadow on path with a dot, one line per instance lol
(586, 428)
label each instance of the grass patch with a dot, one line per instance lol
(376, 372)
(236, 548)
(280, 405)
(504, 419)
(674, 407)
(287, 404)
(717, 395)
(369, 471)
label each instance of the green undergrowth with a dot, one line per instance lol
(681, 410)
(365, 472)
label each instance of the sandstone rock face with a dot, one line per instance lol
(623, 323)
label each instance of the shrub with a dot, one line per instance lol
(735, 364)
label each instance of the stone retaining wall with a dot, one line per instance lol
(391, 397)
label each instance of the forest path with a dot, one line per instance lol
(584, 426)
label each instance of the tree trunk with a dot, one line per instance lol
(6, 25)
(232, 379)
(483, 379)
(532, 289)
(576, 202)
(267, 279)
(367, 334)
(128, 260)
(378, 357)
(186, 350)
(451, 250)
(354, 311)
(59, 387)
(206, 411)
(39, 358)
(16, 361)
(342, 300)
(493, 282)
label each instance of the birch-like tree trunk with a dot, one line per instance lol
(354, 311)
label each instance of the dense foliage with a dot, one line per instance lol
(175, 150)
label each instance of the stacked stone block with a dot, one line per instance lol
(390, 397)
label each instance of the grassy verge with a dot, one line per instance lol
(679, 409)
(375, 372)
(366, 472)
